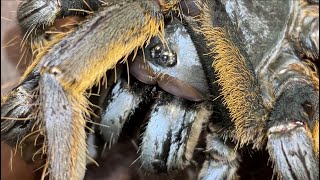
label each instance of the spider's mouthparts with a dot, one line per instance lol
(174, 66)
(283, 128)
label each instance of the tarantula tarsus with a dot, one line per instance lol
(265, 92)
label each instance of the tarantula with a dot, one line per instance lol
(250, 72)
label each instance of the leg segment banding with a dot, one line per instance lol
(222, 160)
(70, 67)
(64, 122)
(178, 125)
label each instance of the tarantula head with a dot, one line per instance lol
(174, 65)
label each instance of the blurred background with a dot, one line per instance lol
(11, 53)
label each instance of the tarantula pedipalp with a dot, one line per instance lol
(254, 87)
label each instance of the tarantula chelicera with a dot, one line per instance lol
(241, 73)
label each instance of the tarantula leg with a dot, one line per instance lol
(178, 124)
(293, 125)
(116, 30)
(63, 117)
(83, 69)
(222, 161)
(305, 35)
(168, 5)
(35, 16)
(234, 73)
(291, 150)
(293, 133)
(122, 102)
(18, 111)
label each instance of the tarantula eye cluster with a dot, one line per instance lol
(227, 78)
(163, 56)
(156, 51)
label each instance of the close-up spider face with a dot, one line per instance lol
(195, 86)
